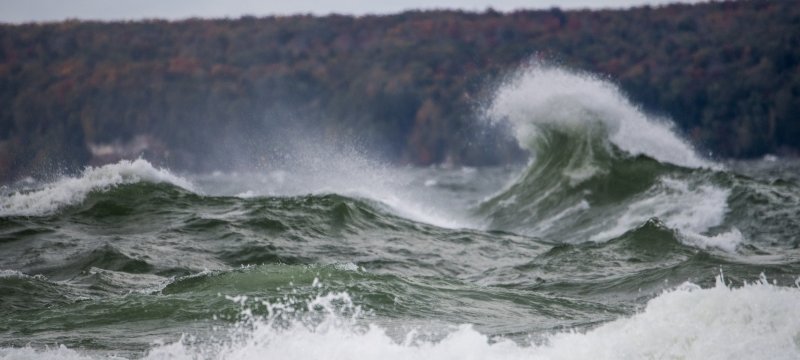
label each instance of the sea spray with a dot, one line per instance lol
(539, 97)
(320, 168)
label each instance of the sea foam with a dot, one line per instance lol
(753, 321)
(72, 190)
(691, 210)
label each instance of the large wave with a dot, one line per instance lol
(540, 100)
(600, 166)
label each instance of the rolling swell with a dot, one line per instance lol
(163, 213)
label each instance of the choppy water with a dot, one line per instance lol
(616, 241)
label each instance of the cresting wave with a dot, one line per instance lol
(72, 190)
(757, 320)
(600, 167)
(541, 97)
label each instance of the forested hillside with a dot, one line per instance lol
(407, 85)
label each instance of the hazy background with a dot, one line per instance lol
(16, 11)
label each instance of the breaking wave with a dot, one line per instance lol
(752, 321)
(73, 190)
(600, 167)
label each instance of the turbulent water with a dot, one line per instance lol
(616, 241)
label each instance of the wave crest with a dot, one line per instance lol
(541, 97)
(72, 190)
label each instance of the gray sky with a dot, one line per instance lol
(16, 11)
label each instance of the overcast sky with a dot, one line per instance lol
(16, 11)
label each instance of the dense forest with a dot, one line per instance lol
(407, 85)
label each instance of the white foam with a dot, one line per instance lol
(692, 210)
(541, 94)
(727, 241)
(11, 274)
(246, 194)
(72, 190)
(60, 352)
(7, 274)
(754, 321)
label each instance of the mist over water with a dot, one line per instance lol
(616, 240)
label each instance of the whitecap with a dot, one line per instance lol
(542, 95)
(72, 190)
